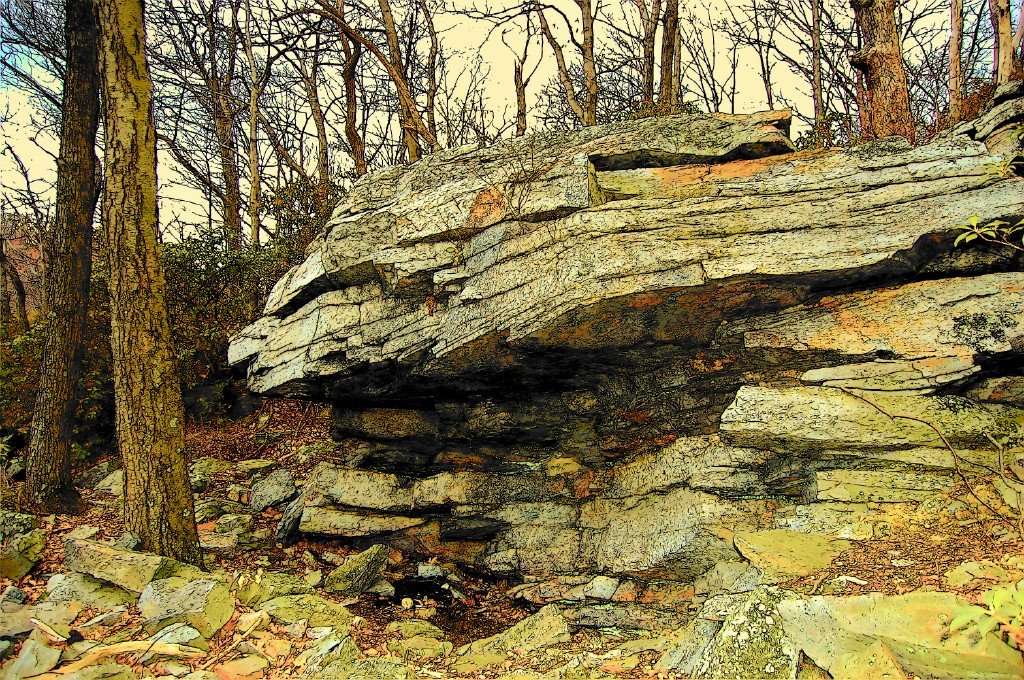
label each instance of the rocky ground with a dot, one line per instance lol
(871, 600)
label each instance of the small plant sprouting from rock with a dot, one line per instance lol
(996, 232)
(1003, 611)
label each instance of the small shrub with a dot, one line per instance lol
(1003, 612)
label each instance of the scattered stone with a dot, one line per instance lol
(107, 671)
(874, 662)
(253, 621)
(5, 649)
(15, 523)
(130, 570)
(83, 531)
(253, 592)
(687, 646)
(181, 634)
(430, 570)
(14, 594)
(203, 471)
(252, 467)
(248, 667)
(1010, 569)
(93, 593)
(601, 588)
(208, 510)
(272, 491)
(35, 658)
(782, 554)
(626, 615)
(914, 627)
(313, 578)
(20, 553)
(728, 577)
(112, 484)
(420, 648)
(751, 642)
(19, 622)
(359, 572)
(127, 541)
(545, 628)
(90, 478)
(383, 588)
(204, 604)
(410, 628)
(234, 524)
(315, 611)
(331, 522)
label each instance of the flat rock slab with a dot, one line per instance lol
(20, 553)
(781, 554)
(89, 591)
(915, 627)
(204, 604)
(316, 611)
(359, 572)
(130, 570)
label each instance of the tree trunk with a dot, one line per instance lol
(520, 84)
(669, 28)
(589, 63)
(48, 463)
(150, 418)
(353, 50)
(431, 74)
(649, 21)
(956, 74)
(562, 69)
(224, 129)
(255, 90)
(817, 89)
(881, 61)
(13, 278)
(405, 116)
(1002, 27)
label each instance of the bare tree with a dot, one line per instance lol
(880, 60)
(956, 74)
(1002, 50)
(69, 247)
(150, 416)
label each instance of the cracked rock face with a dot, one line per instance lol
(592, 351)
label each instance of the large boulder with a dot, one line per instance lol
(598, 351)
(914, 629)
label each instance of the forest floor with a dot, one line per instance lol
(924, 552)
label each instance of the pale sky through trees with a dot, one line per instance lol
(470, 42)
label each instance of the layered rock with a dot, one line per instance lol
(599, 351)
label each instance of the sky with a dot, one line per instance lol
(463, 37)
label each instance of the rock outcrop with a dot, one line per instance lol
(599, 351)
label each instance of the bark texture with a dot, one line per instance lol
(150, 423)
(887, 110)
(69, 245)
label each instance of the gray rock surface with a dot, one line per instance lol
(130, 570)
(203, 604)
(271, 491)
(358, 572)
(595, 352)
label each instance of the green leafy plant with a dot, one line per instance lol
(996, 232)
(1003, 612)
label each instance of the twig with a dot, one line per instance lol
(95, 654)
(956, 456)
